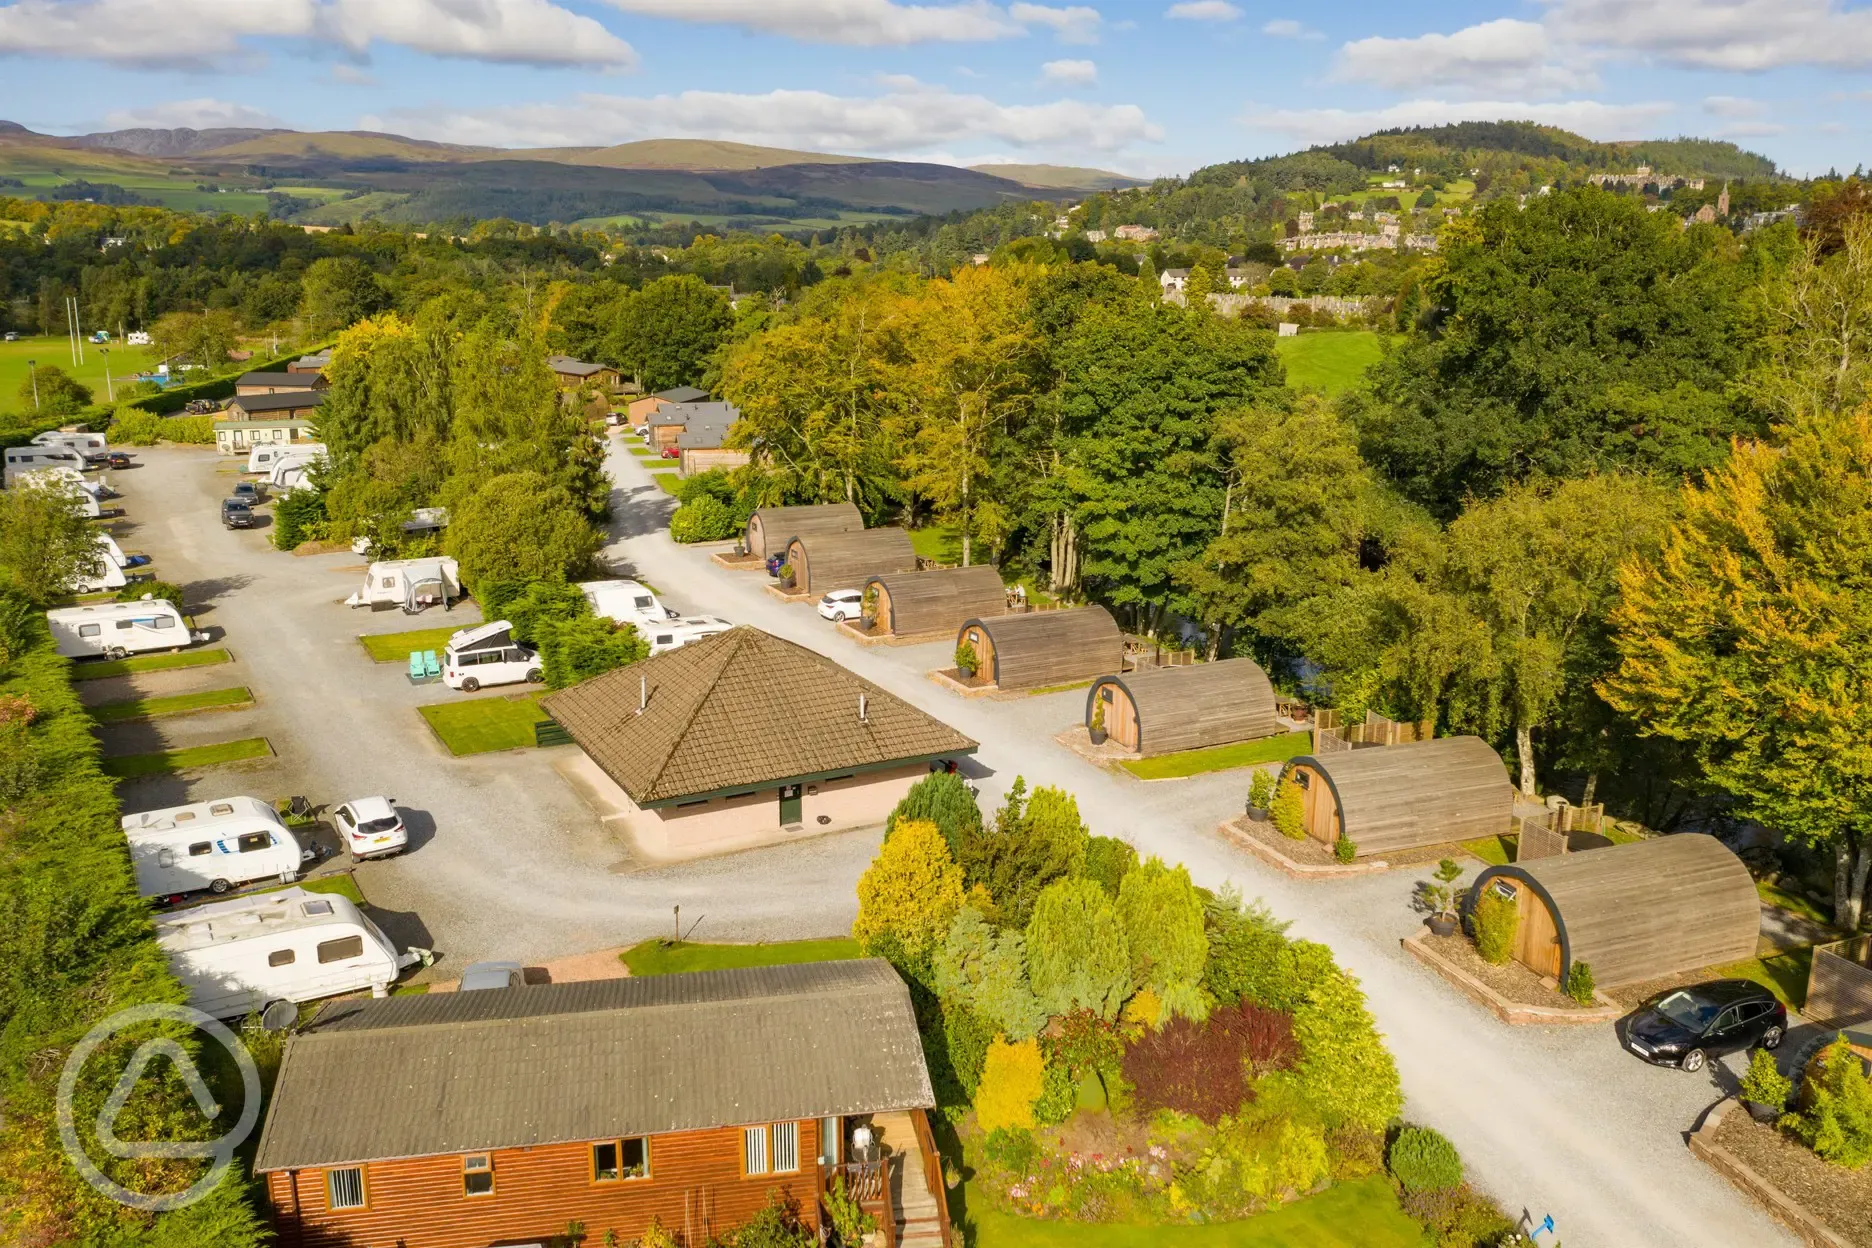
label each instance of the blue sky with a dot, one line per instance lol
(1143, 88)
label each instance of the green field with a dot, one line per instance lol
(1332, 360)
(396, 647)
(148, 663)
(939, 542)
(57, 352)
(180, 704)
(127, 766)
(663, 957)
(1363, 1213)
(478, 725)
(1222, 758)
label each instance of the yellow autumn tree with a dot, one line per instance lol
(1013, 1076)
(909, 894)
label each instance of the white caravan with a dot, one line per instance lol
(116, 629)
(263, 457)
(25, 459)
(487, 654)
(235, 957)
(409, 583)
(85, 496)
(107, 572)
(215, 845)
(80, 442)
(679, 632)
(288, 475)
(626, 602)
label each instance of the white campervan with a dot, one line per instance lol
(107, 572)
(235, 957)
(488, 655)
(679, 632)
(626, 602)
(116, 629)
(215, 845)
(409, 583)
(262, 458)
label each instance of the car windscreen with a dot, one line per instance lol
(1688, 1010)
(387, 823)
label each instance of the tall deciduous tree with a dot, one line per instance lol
(48, 391)
(340, 291)
(1818, 327)
(667, 331)
(45, 542)
(519, 526)
(1747, 638)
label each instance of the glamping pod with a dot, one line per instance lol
(846, 560)
(1167, 709)
(769, 529)
(937, 601)
(1041, 648)
(1631, 912)
(1395, 797)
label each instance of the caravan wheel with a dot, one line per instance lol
(116, 652)
(219, 886)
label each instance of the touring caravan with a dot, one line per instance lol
(84, 495)
(107, 572)
(626, 602)
(77, 441)
(679, 632)
(116, 629)
(264, 458)
(215, 845)
(409, 583)
(25, 459)
(236, 956)
(488, 655)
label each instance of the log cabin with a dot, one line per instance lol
(935, 602)
(1036, 649)
(1396, 797)
(769, 529)
(1165, 710)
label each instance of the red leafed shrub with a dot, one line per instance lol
(15, 710)
(1203, 1068)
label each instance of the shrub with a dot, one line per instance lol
(1011, 1148)
(705, 519)
(1496, 918)
(1258, 1159)
(188, 430)
(1076, 953)
(1835, 1116)
(1250, 958)
(1289, 810)
(850, 1222)
(909, 894)
(966, 660)
(132, 426)
(576, 650)
(1202, 1069)
(1421, 1160)
(296, 517)
(1032, 844)
(165, 591)
(943, 798)
(1059, 1095)
(1261, 790)
(965, 1037)
(1163, 926)
(1098, 716)
(1344, 849)
(776, 1226)
(1459, 1217)
(1764, 1083)
(1579, 983)
(1108, 861)
(987, 973)
(1013, 1077)
(1344, 1070)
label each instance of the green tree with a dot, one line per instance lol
(667, 331)
(203, 338)
(1077, 958)
(1816, 328)
(1283, 281)
(519, 527)
(341, 291)
(46, 544)
(985, 972)
(1344, 1072)
(942, 798)
(1162, 916)
(48, 391)
(1031, 844)
(578, 649)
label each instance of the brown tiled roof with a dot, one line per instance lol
(514, 1067)
(741, 710)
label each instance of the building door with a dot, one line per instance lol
(790, 807)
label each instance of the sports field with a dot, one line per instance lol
(1332, 360)
(57, 352)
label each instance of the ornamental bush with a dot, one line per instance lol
(1203, 1069)
(1345, 850)
(943, 798)
(1835, 1116)
(1345, 1073)
(986, 972)
(296, 517)
(1496, 918)
(1764, 1083)
(704, 519)
(1261, 789)
(1108, 861)
(1421, 1160)
(1059, 1095)
(966, 660)
(1289, 810)
(1032, 844)
(1076, 952)
(1013, 1077)
(1579, 983)
(1163, 925)
(909, 894)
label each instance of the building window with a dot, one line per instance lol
(478, 1175)
(771, 1149)
(785, 1147)
(754, 1150)
(339, 950)
(613, 1160)
(344, 1189)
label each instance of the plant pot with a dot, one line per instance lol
(1257, 814)
(1442, 924)
(1097, 735)
(1765, 1114)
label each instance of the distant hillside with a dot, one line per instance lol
(1060, 177)
(180, 141)
(691, 155)
(287, 146)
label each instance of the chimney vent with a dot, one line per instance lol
(643, 693)
(863, 707)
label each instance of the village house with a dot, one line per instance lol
(641, 410)
(1095, 236)
(669, 421)
(252, 420)
(571, 374)
(317, 362)
(1135, 233)
(277, 383)
(1173, 280)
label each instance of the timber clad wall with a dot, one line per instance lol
(695, 1189)
(769, 529)
(1042, 648)
(1169, 709)
(937, 601)
(846, 560)
(1394, 797)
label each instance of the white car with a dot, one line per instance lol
(371, 828)
(842, 604)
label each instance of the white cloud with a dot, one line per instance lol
(1328, 125)
(1287, 28)
(1074, 23)
(1493, 57)
(195, 34)
(906, 122)
(1732, 106)
(875, 23)
(198, 114)
(1722, 34)
(1076, 73)
(1203, 11)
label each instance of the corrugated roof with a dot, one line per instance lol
(515, 1067)
(681, 394)
(290, 400)
(741, 710)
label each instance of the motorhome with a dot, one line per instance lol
(263, 457)
(488, 655)
(234, 957)
(409, 583)
(216, 845)
(626, 602)
(107, 572)
(679, 632)
(116, 629)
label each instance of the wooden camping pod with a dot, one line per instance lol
(1167, 709)
(846, 560)
(1396, 797)
(1631, 912)
(1041, 648)
(936, 601)
(769, 529)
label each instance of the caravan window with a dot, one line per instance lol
(165, 857)
(200, 849)
(90, 630)
(643, 602)
(218, 808)
(340, 949)
(252, 842)
(389, 582)
(126, 623)
(162, 621)
(281, 957)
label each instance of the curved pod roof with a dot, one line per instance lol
(846, 560)
(1034, 649)
(1189, 708)
(769, 529)
(940, 599)
(1396, 797)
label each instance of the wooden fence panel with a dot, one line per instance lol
(1839, 986)
(1539, 839)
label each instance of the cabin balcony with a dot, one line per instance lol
(902, 1186)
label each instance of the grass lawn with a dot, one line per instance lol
(661, 957)
(1497, 851)
(1775, 895)
(666, 481)
(1332, 360)
(54, 351)
(340, 883)
(148, 663)
(478, 725)
(1360, 1214)
(644, 452)
(940, 542)
(131, 765)
(180, 704)
(1222, 758)
(396, 647)
(1784, 974)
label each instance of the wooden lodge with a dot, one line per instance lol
(1396, 797)
(847, 559)
(1037, 649)
(769, 529)
(461, 1120)
(1631, 912)
(1167, 709)
(938, 601)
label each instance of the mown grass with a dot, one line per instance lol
(396, 647)
(666, 481)
(940, 542)
(128, 766)
(664, 957)
(1784, 974)
(1221, 758)
(179, 704)
(1333, 360)
(340, 883)
(148, 663)
(477, 725)
(1363, 1213)
(1496, 851)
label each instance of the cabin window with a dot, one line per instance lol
(1302, 778)
(770, 1150)
(162, 621)
(613, 1160)
(282, 957)
(340, 949)
(344, 1189)
(253, 842)
(754, 1150)
(478, 1175)
(201, 849)
(90, 630)
(785, 1147)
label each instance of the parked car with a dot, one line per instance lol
(670, 452)
(247, 492)
(236, 514)
(642, 431)
(198, 407)
(478, 975)
(118, 459)
(371, 828)
(12, 336)
(1685, 1027)
(842, 604)
(488, 655)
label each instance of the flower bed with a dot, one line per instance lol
(1838, 1198)
(1511, 980)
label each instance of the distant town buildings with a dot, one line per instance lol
(1642, 177)
(1095, 236)
(1135, 233)
(1334, 240)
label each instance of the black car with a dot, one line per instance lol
(247, 492)
(236, 514)
(1685, 1027)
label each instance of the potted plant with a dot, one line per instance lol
(1765, 1090)
(1441, 897)
(786, 576)
(967, 661)
(1260, 795)
(1097, 729)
